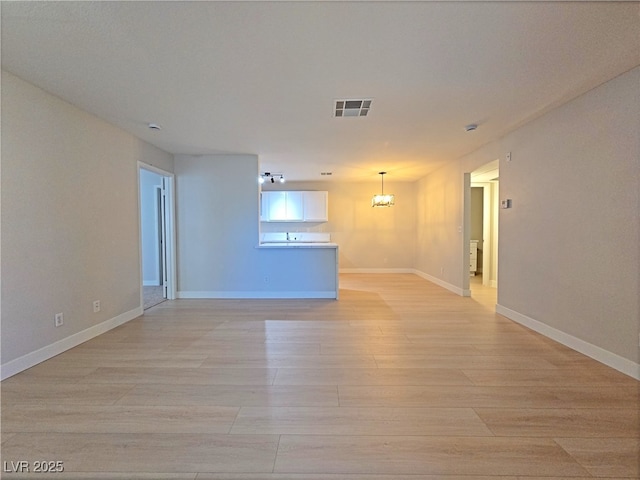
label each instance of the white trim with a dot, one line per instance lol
(249, 295)
(452, 288)
(45, 353)
(151, 283)
(610, 359)
(376, 270)
(171, 240)
(151, 168)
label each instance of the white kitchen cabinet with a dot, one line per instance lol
(282, 206)
(294, 206)
(273, 205)
(316, 206)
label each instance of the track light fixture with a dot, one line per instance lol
(271, 177)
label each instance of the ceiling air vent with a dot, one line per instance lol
(352, 108)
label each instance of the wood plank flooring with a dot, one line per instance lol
(398, 380)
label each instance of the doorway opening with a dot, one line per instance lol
(157, 259)
(482, 228)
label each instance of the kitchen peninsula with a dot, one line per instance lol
(307, 259)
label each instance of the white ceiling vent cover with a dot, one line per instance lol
(352, 107)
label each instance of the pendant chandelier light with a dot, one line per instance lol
(382, 200)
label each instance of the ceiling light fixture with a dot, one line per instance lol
(471, 127)
(271, 177)
(154, 126)
(383, 200)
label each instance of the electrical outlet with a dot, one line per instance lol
(96, 306)
(59, 319)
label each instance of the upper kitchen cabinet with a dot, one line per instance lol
(282, 207)
(294, 206)
(316, 206)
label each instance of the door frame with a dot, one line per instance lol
(483, 177)
(169, 231)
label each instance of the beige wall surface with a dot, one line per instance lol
(369, 238)
(69, 218)
(217, 221)
(568, 248)
(218, 225)
(440, 238)
(477, 207)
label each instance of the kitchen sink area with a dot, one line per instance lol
(296, 239)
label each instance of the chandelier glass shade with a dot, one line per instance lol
(383, 200)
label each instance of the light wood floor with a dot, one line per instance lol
(398, 380)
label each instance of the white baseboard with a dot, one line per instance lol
(452, 288)
(257, 295)
(151, 283)
(45, 353)
(610, 359)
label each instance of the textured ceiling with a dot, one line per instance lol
(263, 77)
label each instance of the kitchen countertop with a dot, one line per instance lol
(298, 245)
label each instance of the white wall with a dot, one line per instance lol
(439, 224)
(369, 238)
(217, 218)
(70, 223)
(217, 221)
(568, 249)
(149, 218)
(569, 246)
